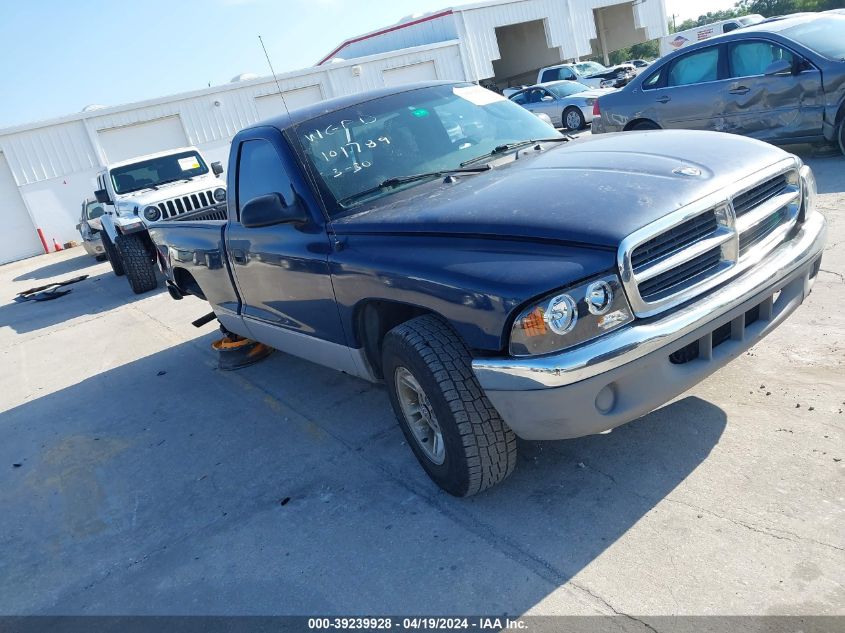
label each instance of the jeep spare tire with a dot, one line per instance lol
(137, 261)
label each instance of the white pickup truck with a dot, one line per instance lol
(167, 186)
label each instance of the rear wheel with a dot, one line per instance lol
(573, 119)
(455, 432)
(840, 135)
(139, 265)
(645, 125)
(112, 255)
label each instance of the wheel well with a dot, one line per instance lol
(374, 319)
(635, 122)
(841, 113)
(186, 282)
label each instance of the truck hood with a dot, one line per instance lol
(595, 191)
(146, 197)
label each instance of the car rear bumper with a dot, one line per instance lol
(624, 375)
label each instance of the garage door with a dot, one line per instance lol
(128, 141)
(18, 238)
(271, 105)
(423, 71)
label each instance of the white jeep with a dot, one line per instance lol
(162, 187)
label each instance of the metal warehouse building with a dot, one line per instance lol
(48, 168)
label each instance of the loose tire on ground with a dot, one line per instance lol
(139, 265)
(573, 119)
(112, 256)
(479, 449)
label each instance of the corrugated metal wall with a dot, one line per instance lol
(429, 31)
(58, 149)
(54, 164)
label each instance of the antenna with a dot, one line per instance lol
(276, 79)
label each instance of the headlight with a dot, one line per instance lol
(808, 192)
(152, 213)
(564, 319)
(220, 194)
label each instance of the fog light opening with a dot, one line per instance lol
(606, 399)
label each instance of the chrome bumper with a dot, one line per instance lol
(575, 380)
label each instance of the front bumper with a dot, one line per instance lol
(624, 375)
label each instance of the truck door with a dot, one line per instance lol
(281, 270)
(765, 104)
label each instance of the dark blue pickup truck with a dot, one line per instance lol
(501, 280)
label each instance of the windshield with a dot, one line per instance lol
(590, 68)
(566, 89)
(824, 35)
(156, 171)
(419, 131)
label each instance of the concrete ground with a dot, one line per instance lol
(136, 478)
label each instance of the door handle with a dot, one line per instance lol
(664, 99)
(239, 256)
(739, 90)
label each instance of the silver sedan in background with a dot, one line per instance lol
(568, 104)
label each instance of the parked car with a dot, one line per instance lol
(567, 103)
(590, 74)
(91, 210)
(782, 82)
(505, 283)
(639, 64)
(161, 187)
(681, 39)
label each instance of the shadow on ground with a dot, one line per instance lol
(200, 491)
(827, 166)
(64, 267)
(94, 295)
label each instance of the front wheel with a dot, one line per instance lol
(840, 135)
(139, 264)
(455, 432)
(573, 119)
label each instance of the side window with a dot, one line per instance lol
(261, 171)
(95, 210)
(550, 75)
(752, 58)
(653, 80)
(695, 68)
(520, 98)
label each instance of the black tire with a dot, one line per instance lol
(645, 125)
(139, 264)
(112, 256)
(840, 135)
(101, 258)
(480, 449)
(575, 113)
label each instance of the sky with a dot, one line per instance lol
(57, 56)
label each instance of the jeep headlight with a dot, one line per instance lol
(808, 192)
(567, 318)
(220, 194)
(152, 213)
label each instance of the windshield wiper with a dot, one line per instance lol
(501, 149)
(401, 180)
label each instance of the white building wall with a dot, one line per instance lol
(54, 163)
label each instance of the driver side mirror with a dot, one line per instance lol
(268, 210)
(217, 168)
(778, 68)
(547, 98)
(102, 196)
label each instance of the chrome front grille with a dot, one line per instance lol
(190, 203)
(706, 243)
(215, 213)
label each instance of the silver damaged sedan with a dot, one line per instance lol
(568, 104)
